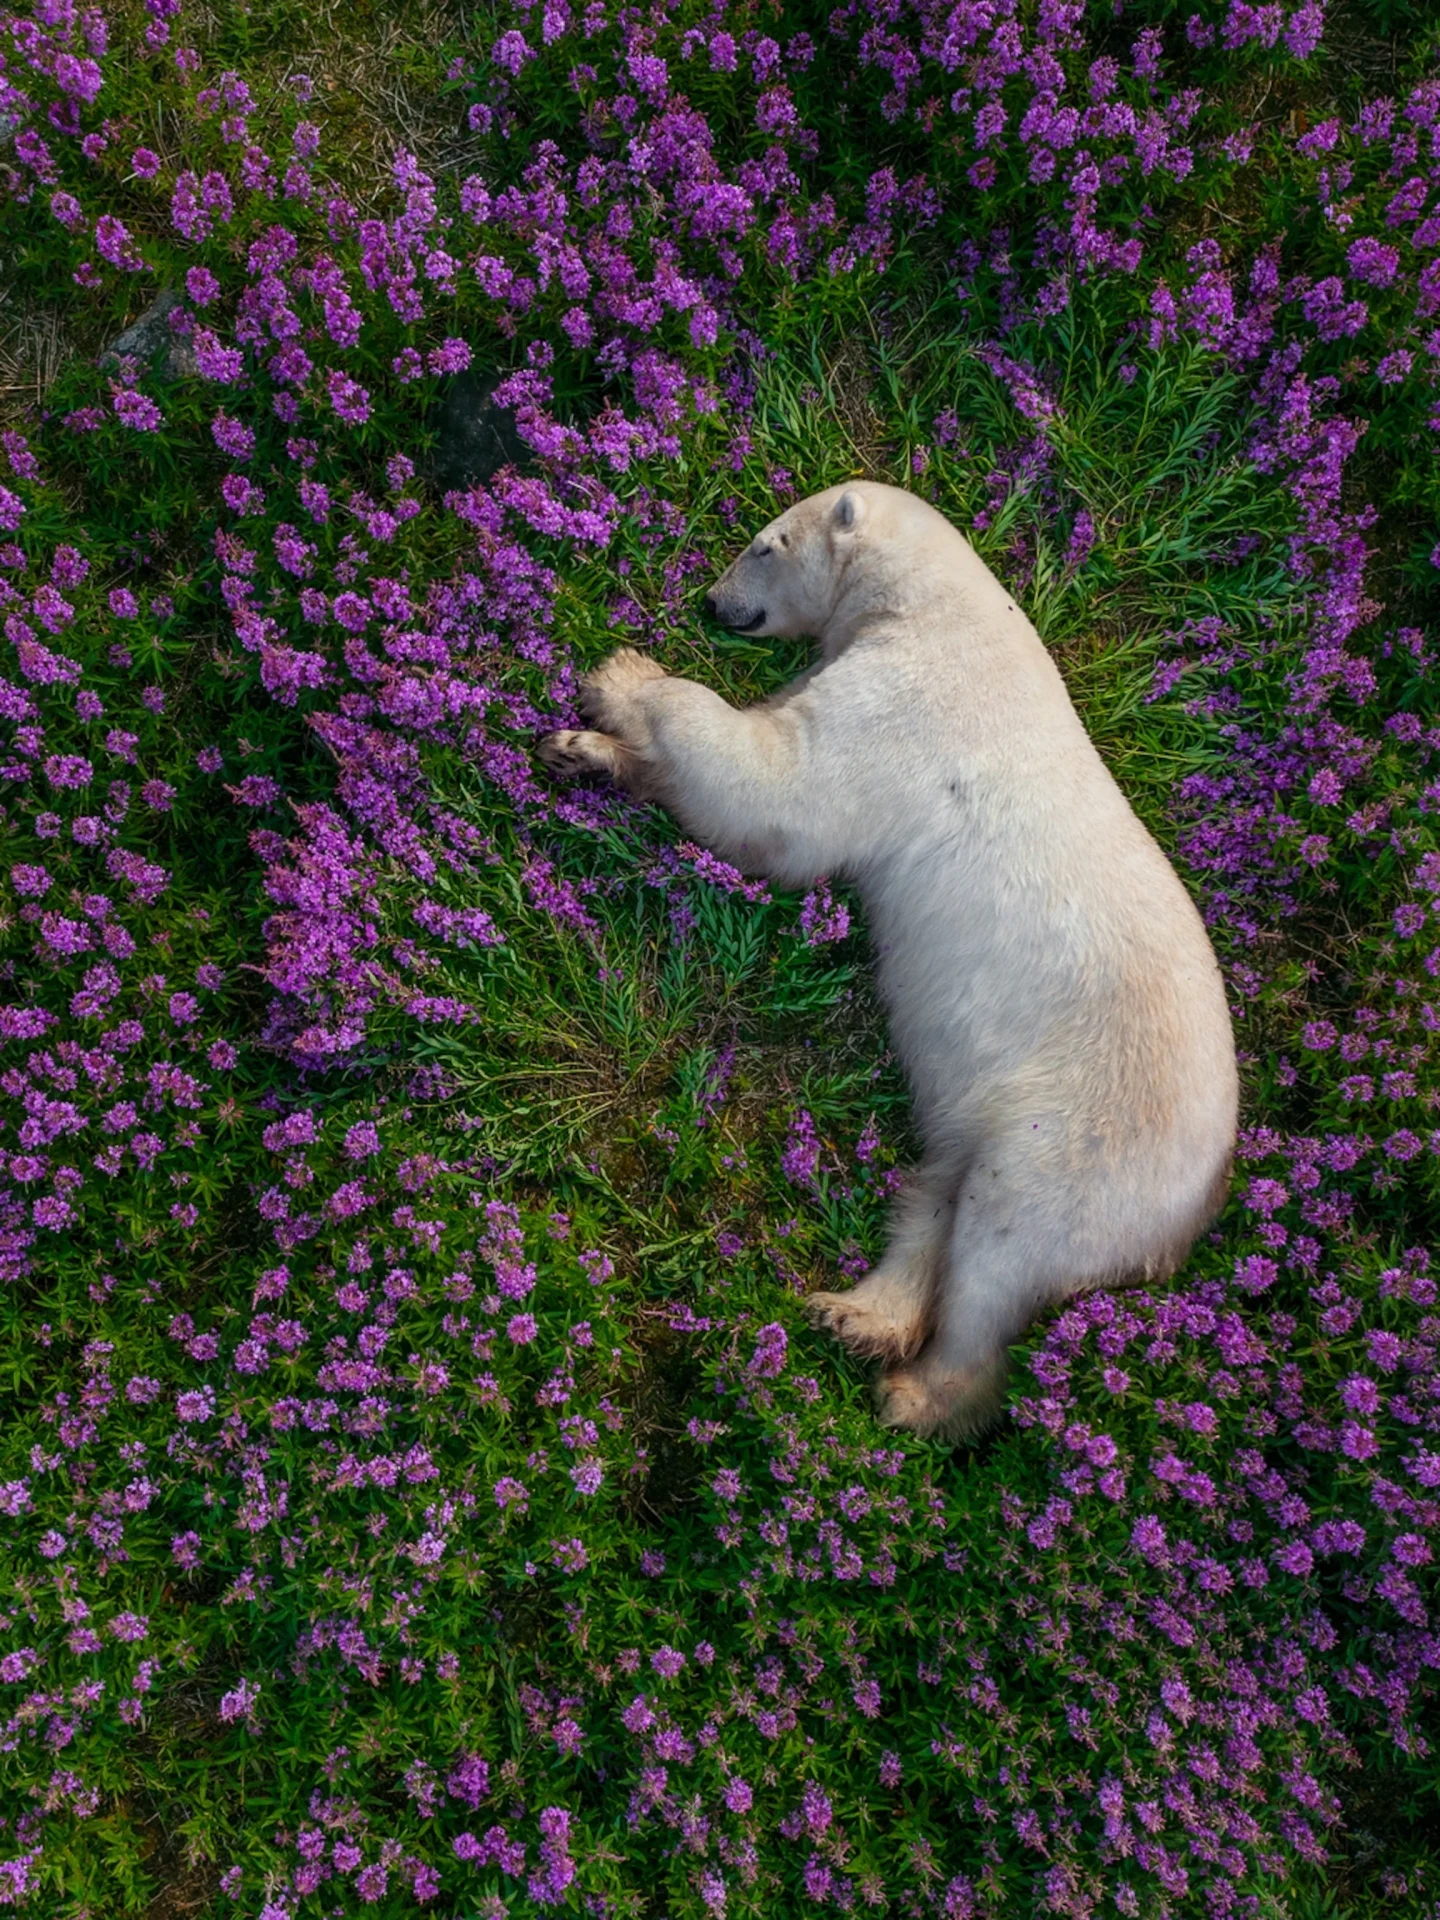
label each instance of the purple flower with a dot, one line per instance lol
(451, 356)
(1373, 262)
(1357, 1442)
(136, 410)
(737, 1795)
(239, 1703)
(800, 1161)
(371, 1882)
(510, 52)
(350, 400)
(1360, 1394)
(823, 919)
(1147, 1537)
(68, 770)
(362, 1141)
(866, 1695)
(224, 365)
(202, 286)
(232, 437)
(113, 243)
(771, 1347)
(1082, 539)
(1294, 1557)
(1338, 1536)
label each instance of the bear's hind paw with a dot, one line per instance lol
(951, 1406)
(864, 1327)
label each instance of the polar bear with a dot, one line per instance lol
(1050, 987)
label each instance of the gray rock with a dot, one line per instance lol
(475, 437)
(150, 335)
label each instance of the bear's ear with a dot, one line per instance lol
(849, 510)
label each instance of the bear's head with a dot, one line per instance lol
(791, 578)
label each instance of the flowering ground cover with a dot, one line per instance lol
(422, 1489)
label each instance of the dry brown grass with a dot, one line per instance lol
(376, 69)
(34, 346)
(850, 400)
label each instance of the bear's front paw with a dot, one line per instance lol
(571, 752)
(607, 695)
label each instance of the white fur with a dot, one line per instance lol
(1050, 986)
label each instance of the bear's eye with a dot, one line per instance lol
(784, 539)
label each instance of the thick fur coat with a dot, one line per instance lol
(1050, 986)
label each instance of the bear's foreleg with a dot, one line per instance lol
(746, 783)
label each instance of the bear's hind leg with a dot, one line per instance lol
(1004, 1256)
(888, 1313)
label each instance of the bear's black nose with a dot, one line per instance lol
(712, 612)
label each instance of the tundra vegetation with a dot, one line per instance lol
(422, 1488)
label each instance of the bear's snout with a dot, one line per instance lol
(739, 619)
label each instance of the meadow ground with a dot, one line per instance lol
(424, 1492)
